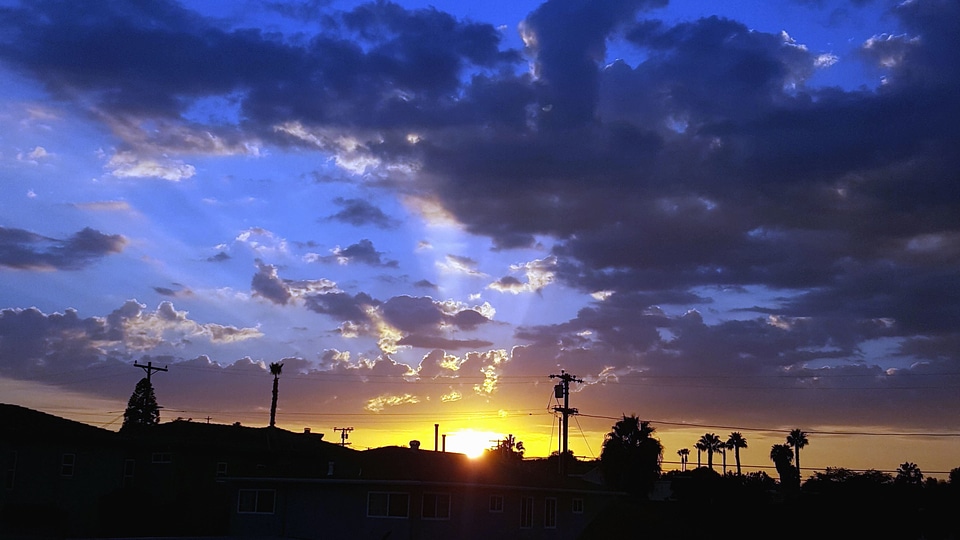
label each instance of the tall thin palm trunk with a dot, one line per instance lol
(273, 403)
(275, 369)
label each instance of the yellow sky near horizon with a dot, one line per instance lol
(859, 448)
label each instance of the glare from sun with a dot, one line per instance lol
(472, 443)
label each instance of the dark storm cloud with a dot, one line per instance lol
(423, 314)
(569, 38)
(420, 319)
(708, 163)
(342, 306)
(363, 252)
(306, 10)
(25, 250)
(54, 348)
(378, 63)
(426, 284)
(34, 344)
(360, 212)
(267, 284)
(178, 290)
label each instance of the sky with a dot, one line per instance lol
(718, 216)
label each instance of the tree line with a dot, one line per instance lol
(631, 460)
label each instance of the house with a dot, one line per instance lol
(66, 478)
(55, 472)
(183, 478)
(407, 493)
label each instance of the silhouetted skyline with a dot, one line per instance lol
(720, 217)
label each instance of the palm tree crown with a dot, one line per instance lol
(736, 441)
(797, 439)
(782, 457)
(711, 443)
(631, 455)
(700, 448)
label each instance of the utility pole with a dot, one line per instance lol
(562, 389)
(344, 431)
(149, 368)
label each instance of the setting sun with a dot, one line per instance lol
(472, 443)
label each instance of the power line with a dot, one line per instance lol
(817, 469)
(780, 430)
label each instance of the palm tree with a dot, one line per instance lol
(275, 369)
(736, 441)
(683, 453)
(631, 455)
(700, 448)
(782, 457)
(797, 439)
(711, 443)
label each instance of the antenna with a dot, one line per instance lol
(344, 434)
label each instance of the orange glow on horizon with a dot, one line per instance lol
(472, 443)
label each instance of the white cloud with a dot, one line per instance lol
(381, 402)
(128, 165)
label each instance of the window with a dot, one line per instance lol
(577, 507)
(67, 464)
(550, 513)
(386, 504)
(162, 457)
(436, 506)
(496, 503)
(129, 465)
(221, 468)
(256, 501)
(526, 512)
(11, 472)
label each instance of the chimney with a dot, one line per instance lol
(436, 436)
(415, 444)
(444, 439)
(306, 430)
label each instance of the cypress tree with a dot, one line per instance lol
(142, 409)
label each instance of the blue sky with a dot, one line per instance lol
(717, 214)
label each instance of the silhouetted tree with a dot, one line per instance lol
(736, 441)
(909, 474)
(684, 454)
(711, 443)
(797, 439)
(508, 449)
(700, 448)
(782, 457)
(872, 478)
(758, 480)
(563, 462)
(142, 408)
(631, 456)
(955, 477)
(275, 369)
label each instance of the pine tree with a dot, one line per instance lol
(142, 409)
